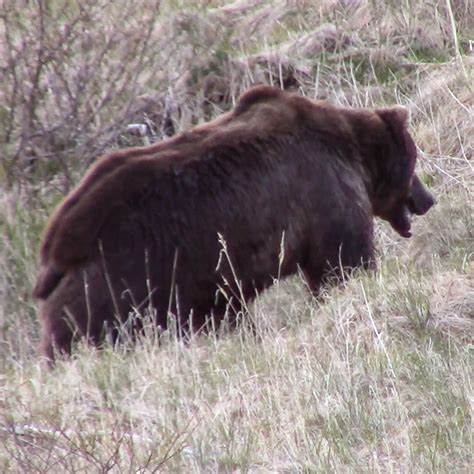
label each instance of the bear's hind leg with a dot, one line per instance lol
(57, 337)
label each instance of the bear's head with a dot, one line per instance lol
(398, 191)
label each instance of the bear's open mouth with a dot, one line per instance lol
(401, 221)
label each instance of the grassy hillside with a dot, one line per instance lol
(377, 377)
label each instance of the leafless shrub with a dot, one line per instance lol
(50, 448)
(69, 79)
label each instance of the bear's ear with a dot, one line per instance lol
(395, 117)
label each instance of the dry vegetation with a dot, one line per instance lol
(378, 377)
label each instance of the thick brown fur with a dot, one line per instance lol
(143, 227)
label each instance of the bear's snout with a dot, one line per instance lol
(420, 200)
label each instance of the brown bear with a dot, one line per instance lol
(195, 225)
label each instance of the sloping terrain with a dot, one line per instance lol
(377, 377)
